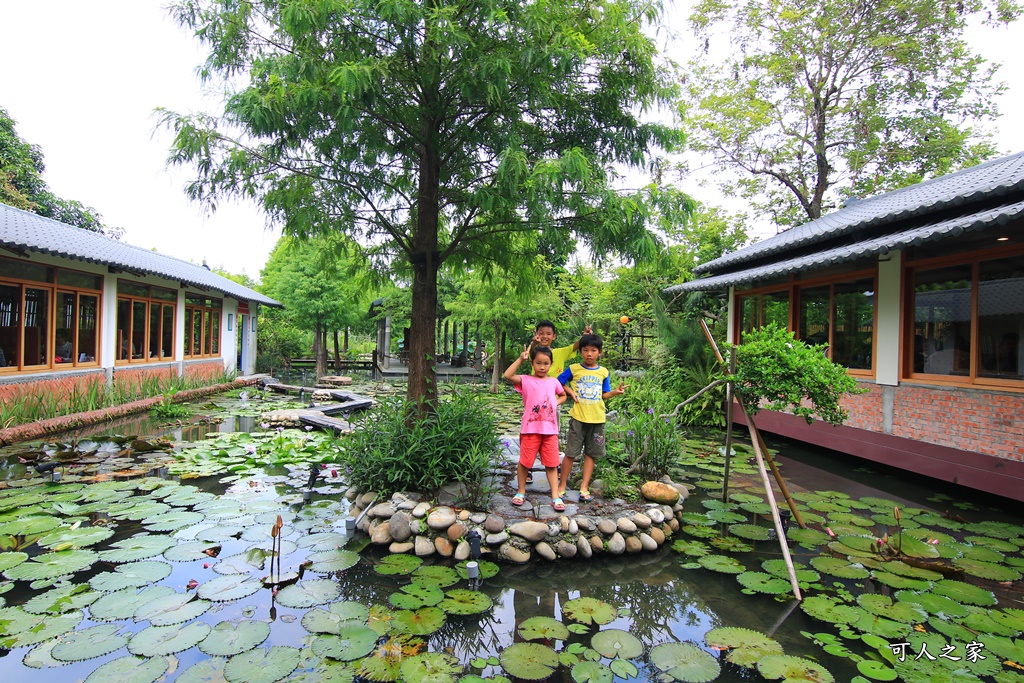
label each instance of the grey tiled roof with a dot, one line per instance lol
(877, 245)
(25, 231)
(985, 181)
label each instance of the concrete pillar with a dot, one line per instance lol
(888, 295)
(386, 348)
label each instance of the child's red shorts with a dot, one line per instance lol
(545, 444)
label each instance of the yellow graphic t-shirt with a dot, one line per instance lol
(589, 385)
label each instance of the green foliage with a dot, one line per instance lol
(170, 410)
(820, 102)
(776, 371)
(393, 452)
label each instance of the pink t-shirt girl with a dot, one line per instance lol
(540, 414)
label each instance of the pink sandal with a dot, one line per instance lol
(518, 499)
(557, 505)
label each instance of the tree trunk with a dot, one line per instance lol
(498, 357)
(337, 353)
(320, 348)
(422, 392)
(344, 349)
(478, 350)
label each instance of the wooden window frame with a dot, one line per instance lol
(53, 291)
(206, 327)
(148, 302)
(974, 260)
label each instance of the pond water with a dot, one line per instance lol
(145, 565)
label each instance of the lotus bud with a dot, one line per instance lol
(896, 513)
(192, 584)
(279, 523)
(274, 531)
(334, 473)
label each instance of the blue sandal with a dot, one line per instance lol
(557, 505)
(586, 496)
(518, 499)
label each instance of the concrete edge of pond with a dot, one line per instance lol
(63, 423)
(406, 524)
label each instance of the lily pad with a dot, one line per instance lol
(745, 647)
(137, 548)
(778, 568)
(95, 641)
(328, 561)
(40, 627)
(987, 570)
(760, 582)
(436, 575)
(262, 666)
(62, 599)
(51, 565)
(420, 622)
(685, 662)
(840, 568)
(79, 538)
(721, 563)
(787, 667)
(349, 644)
(486, 569)
(398, 565)
(529, 661)
(130, 669)
(157, 641)
(933, 604)
(11, 559)
(592, 672)
(615, 642)
(964, 592)
(416, 595)
(226, 588)
(461, 601)
(309, 593)
(123, 603)
(204, 671)
(431, 667)
(231, 638)
(876, 671)
(749, 531)
(335, 616)
(543, 628)
(131, 575)
(191, 551)
(590, 611)
(173, 520)
(903, 569)
(384, 663)
(883, 606)
(176, 608)
(826, 609)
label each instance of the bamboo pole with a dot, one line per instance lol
(755, 438)
(728, 425)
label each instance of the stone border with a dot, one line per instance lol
(54, 425)
(406, 524)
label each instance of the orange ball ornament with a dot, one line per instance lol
(624, 320)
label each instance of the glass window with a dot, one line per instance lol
(64, 342)
(813, 325)
(88, 306)
(164, 294)
(124, 321)
(37, 318)
(72, 278)
(167, 331)
(154, 330)
(757, 310)
(132, 289)
(1001, 318)
(188, 331)
(21, 270)
(215, 333)
(10, 324)
(942, 320)
(853, 323)
(138, 329)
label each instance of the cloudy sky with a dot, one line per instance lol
(82, 79)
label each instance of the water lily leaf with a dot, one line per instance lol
(590, 611)
(486, 569)
(982, 622)
(721, 563)
(987, 570)
(349, 644)
(787, 667)
(384, 663)
(731, 545)
(826, 609)
(139, 510)
(436, 575)
(94, 641)
(204, 671)
(62, 599)
(309, 593)
(982, 553)
(995, 529)
(933, 604)
(231, 638)
(462, 601)
(191, 551)
(615, 642)
(172, 609)
(30, 525)
(327, 561)
(745, 646)
(137, 548)
(685, 662)
(131, 575)
(760, 582)
(51, 565)
(881, 627)
(431, 667)
(691, 548)
(900, 582)
(416, 595)
(380, 619)
(262, 666)
(543, 628)
(726, 516)
(225, 588)
(11, 559)
(749, 531)
(901, 568)
(173, 520)
(329, 540)
(156, 641)
(242, 563)
(1006, 648)
(624, 668)
(877, 671)
(840, 568)
(529, 661)
(420, 622)
(123, 603)
(40, 627)
(592, 672)
(998, 544)
(398, 565)
(335, 616)
(40, 656)
(778, 568)
(964, 592)
(130, 669)
(807, 537)
(883, 606)
(79, 538)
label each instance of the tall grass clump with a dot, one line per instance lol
(392, 452)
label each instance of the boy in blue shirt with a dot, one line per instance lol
(590, 386)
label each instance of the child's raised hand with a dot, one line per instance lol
(587, 329)
(525, 355)
(621, 389)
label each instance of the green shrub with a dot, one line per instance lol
(457, 444)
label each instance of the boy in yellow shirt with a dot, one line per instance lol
(590, 386)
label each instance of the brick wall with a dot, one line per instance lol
(54, 389)
(976, 420)
(205, 369)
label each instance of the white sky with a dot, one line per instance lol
(82, 78)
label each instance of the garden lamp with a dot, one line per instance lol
(474, 544)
